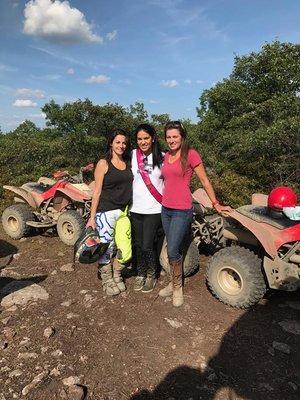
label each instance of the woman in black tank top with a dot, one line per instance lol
(112, 193)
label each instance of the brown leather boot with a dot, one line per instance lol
(108, 284)
(177, 275)
(166, 291)
(117, 276)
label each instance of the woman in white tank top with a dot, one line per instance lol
(146, 207)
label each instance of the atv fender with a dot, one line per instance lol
(27, 197)
(69, 193)
(265, 234)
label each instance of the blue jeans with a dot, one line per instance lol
(176, 225)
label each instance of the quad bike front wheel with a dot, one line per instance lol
(235, 277)
(14, 220)
(190, 258)
(70, 226)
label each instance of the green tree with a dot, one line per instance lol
(250, 123)
(83, 117)
(138, 112)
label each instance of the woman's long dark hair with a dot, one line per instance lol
(156, 150)
(110, 139)
(185, 147)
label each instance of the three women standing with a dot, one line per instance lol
(159, 188)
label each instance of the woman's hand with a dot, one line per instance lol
(225, 210)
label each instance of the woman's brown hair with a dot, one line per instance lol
(184, 145)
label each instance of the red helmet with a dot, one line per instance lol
(280, 197)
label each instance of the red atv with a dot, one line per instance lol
(256, 248)
(63, 202)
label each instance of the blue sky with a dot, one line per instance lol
(161, 52)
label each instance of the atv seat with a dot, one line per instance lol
(35, 187)
(262, 214)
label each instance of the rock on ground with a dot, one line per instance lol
(36, 380)
(290, 326)
(67, 267)
(285, 348)
(76, 393)
(48, 332)
(9, 333)
(71, 380)
(27, 356)
(32, 292)
(175, 324)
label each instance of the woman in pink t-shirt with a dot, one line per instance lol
(179, 164)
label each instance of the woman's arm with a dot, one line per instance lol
(100, 171)
(207, 186)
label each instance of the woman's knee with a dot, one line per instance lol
(173, 252)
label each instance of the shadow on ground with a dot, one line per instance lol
(246, 365)
(7, 251)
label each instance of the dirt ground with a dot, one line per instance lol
(137, 346)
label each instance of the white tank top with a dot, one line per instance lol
(142, 200)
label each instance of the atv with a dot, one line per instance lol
(255, 249)
(62, 201)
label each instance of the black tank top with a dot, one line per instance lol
(116, 190)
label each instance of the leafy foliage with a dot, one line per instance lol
(250, 123)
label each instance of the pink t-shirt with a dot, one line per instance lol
(177, 192)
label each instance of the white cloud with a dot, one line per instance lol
(170, 83)
(70, 71)
(57, 21)
(153, 101)
(112, 35)
(199, 81)
(188, 81)
(98, 79)
(24, 103)
(31, 93)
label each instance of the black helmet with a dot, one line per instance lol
(88, 247)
